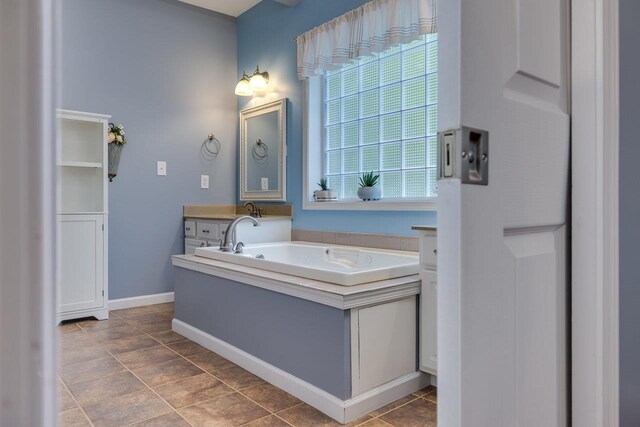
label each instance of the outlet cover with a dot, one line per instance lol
(264, 183)
(204, 181)
(162, 169)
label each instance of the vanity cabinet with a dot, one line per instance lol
(82, 215)
(428, 300)
(200, 233)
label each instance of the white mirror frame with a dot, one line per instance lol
(279, 195)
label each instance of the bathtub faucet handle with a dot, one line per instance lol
(239, 248)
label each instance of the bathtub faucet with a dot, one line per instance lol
(229, 242)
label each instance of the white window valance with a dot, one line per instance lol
(371, 28)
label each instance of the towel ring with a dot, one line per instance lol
(211, 145)
(260, 151)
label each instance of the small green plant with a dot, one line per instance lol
(323, 184)
(369, 179)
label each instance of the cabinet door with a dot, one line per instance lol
(428, 322)
(383, 343)
(81, 262)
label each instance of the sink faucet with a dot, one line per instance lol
(229, 242)
(254, 211)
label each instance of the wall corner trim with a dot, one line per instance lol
(139, 301)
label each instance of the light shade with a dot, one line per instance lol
(243, 88)
(259, 81)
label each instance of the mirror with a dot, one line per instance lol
(263, 143)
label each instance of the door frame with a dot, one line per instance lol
(27, 214)
(595, 172)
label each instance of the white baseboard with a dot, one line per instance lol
(118, 304)
(343, 411)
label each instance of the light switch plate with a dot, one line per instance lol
(264, 183)
(162, 168)
(204, 181)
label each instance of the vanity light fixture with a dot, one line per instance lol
(243, 88)
(259, 81)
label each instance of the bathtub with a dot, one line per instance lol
(341, 265)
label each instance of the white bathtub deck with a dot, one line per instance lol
(342, 297)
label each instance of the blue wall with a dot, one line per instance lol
(265, 38)
(629, 214)
(166, 71)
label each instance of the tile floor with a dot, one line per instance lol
(133, 370)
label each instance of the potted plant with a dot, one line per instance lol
(368, 187)
(325, 193)
(116, 141)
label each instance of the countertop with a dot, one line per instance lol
(231, 212)
(424, 228)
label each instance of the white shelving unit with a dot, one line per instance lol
(82, 215)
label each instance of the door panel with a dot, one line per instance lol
(81, 262)
(501, 256)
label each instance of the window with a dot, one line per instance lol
(380, 114)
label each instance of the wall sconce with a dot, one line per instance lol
(258, 82)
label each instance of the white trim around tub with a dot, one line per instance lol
(343, 411)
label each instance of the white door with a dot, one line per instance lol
(81, 262)
(501, 247)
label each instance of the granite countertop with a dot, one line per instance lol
(424, 228)
(236, 216)
(231, 212)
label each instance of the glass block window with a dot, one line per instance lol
(381, 115)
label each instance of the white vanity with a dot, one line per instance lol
(205, 225)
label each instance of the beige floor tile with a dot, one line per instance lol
(228, 410)
(126, 345)
(73, 418)
(428, 389)
(127, 409)
(192, 390)
(187, 348)
(431, 397)
(64, 328)
(271, 397)
(90, 370)
(167, 337)
(173, 370)
(92, 391)
(148, 356)
(155, 326)
(418, 413)
(172, 419)
(270, 421)
(307, 416)
(238, 378)
(393, 405)
(210, 361)
(112, 334)
(152, 316)
(375, 422)
(65, 400)
(134, 311)
(81, 353)
(98, 325)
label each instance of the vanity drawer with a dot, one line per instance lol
(190, 229)
(207, 230)
(190, 245)
(428, 251)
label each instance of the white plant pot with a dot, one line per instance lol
(370, 193)
(325, 194)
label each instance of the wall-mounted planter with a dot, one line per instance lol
(370, 193)
(115, 150)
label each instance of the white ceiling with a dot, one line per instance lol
(234, 8)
